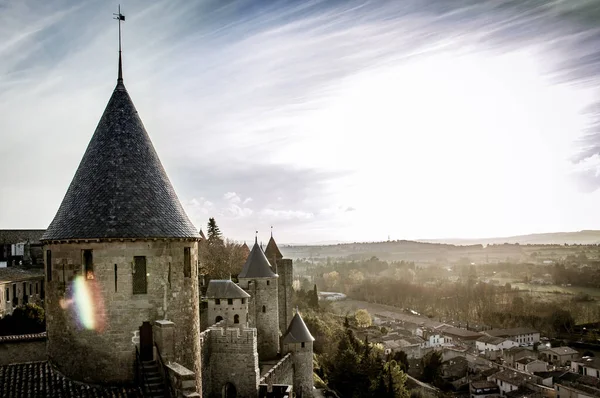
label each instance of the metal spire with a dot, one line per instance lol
(256, 238)
(271, 231)
(120, 17)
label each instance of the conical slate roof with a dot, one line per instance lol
(120, 189)
(225, 289)
(257, 265)
(272, 250)
(297, 332)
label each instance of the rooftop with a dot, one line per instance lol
(527, 361)
(592, 362)
(225, 289)
(563, 350)
(16, 274)
(297, 332)
(10, 236)
(272, 251)
(513, 377)
(491, 340)
(524, 393)
(120, 189)
(257, 265)
(510, 332)
(483, 384)
(40, 379)
(459, 332)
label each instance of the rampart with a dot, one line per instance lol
(23, 348)
(281, 373)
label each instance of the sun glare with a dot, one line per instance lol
(442, 140)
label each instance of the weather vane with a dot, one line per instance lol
(120, 17)
(271, 231)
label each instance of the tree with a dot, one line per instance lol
(313, 298)
(394, 381)
(25, 319)
(214, 233)
(401, 359)
(363, 318)
(431, 364)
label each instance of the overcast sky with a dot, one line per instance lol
(330, 120)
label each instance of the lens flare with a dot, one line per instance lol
(88, 304)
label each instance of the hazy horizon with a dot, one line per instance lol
(331, 121)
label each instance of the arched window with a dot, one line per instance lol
(236, 318)
(264, 309)
(218, 319)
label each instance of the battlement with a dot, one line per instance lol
(281, 373)
(231, 339)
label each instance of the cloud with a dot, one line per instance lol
(228, 92)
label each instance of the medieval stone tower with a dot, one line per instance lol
(258, 279)
(298, 341)
(120, 251)
(283, 268)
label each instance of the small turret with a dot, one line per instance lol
(298, 341)
(227, 301)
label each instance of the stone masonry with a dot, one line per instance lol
(105, 353)
(263, 313)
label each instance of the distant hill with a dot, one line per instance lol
(533, 247)
(586, 237)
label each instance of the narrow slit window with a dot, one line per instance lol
(116, 277)
(187, 262)
(88, 264)
(169, 276)
(140, 284)
(268, 282)
(264, 309)
(49, 265)
(302, 344)
(243, 301)
(36, 288)
(7, 295)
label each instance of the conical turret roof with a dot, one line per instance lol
(297, 332)
(257, 265)
(272, 251)
(120, 189)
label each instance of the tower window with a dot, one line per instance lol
(88, 264)
(7, 294)
(264, 309)
(116, 277)
(49, 265)
(187, 262)
(302, 344)
(140, 283)
(218, 301)
(268, 283)
(243, 301)
(229, 301)
(218, 319)
(236, 318)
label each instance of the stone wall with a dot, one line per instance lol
(285, 271)
(228, 312)
(303, 368)
(94, 340)
(232, 358)
(19, 349)
(281, 373)
(263, 292)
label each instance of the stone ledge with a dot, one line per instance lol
(180, 370)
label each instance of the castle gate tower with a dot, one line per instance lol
(258, 279)
(120, 251)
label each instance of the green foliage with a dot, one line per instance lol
(363, 318)
(313, 298)
(431, 364)
(401, 358)
(214, 235)
(25, 319)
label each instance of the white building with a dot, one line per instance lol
(489, 343)
(523, 336)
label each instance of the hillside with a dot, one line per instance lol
(586, 237)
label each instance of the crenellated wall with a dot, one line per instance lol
(229, 356)
(281, 373)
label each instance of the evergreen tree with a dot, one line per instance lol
(313, 298)
(213, 232)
